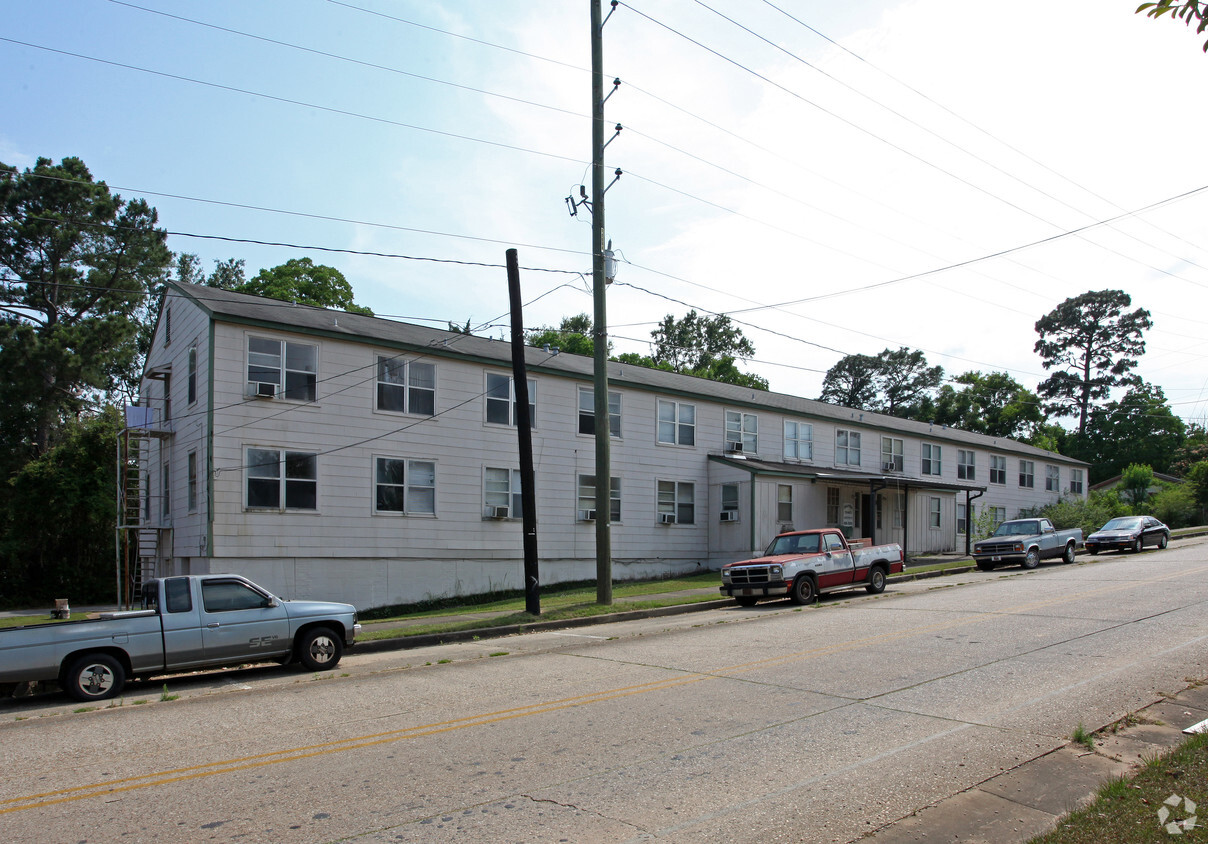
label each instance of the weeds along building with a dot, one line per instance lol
(365, 460)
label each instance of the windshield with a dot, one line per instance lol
(1018, 529)
(1123, 524)
(805, 543)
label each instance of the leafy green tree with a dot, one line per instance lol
(1093, 345)
(460, 329)
(1139, 428)
(303, 281)
(851, 382)
(706, 347)
(1193, 450)
(1175, 505)
(1136, 480)
(1197, 480)
(573, 336)
(995, 404)
(1189, 11)
(897, 382)
(84, 261)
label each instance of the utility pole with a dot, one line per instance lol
(600, 320)
(524, 431)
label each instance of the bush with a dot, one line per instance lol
(1175, 505)
(1090, 515)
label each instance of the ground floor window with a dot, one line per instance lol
(676, 502)
(587, 497)
(935, 516)
(962, 519)
(832, 505)
(501, 496)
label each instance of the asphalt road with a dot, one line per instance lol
(776, 723)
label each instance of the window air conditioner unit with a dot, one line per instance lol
(498, 512)
(666, 518)
(891, 466)
(734, 448)
(261, 390)
(587, 515)
(729, 515)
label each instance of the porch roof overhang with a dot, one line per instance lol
(769, 468)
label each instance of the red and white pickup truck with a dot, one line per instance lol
(806, 563)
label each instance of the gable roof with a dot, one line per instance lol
(256, 311)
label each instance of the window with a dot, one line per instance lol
(798, 440)
(998, 515)
(587, 412)
(177, 594)
(587, 496)
(847, 448)
(962, 519)
(931, 459)
(676, 502)
(729, 501)
(892, 459)
(166, 501)
(832, 505)
(278, 479)
(899, 510)
(1052, 478)
(742, 429)
(966, 465)
(880, 508)
(192, 464)
(1027, 473)
(784, 503)
(1076, 481)
(502, 489)
(293, 367)
(998, 469)
(406, 386)
(935, 515)
(167, 326)
(405, 486)
(677, 423)
(167, 396)
(501, 400)
(192, 382)
(230, 596)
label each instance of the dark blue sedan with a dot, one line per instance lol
(1128, 533)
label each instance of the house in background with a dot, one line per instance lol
(365, 460)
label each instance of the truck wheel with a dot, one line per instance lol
(1137, 546)
(1163, 541)
(985, 566)
(1031, 559)
(1068, 556)
(876, 581)
(803, 591)
(94, 677)
(319, 649)
(746, 601)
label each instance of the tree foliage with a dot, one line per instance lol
(1139, 428)
(573, 336)
(1188, 11)
(896, 381)
(1093, 345)
(1136, 479)
(706, 347)
(851, 382)
(303, 281)
(995, 404)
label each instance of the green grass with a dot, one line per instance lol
(1126, 808)
(23, 620)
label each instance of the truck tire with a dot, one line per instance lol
(803, 591)
(1031, 559)
(1070, 551)
(94, 677)
(876, 581)
(746, 600)
(319, 649)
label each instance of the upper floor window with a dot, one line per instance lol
(292, 367)
(998, 469)
(587, 412)
(501, 400)
(966, 465)
(405, 486)
(1052, 478)
(892, 457)
(192, 379)
(742, 430)
(677, 422)
(282, 480)
(931, 464)
(847, 448)
(1076, 481)
(587, 497)
(502, 490)
(798, 440)
(406, 386)
(1027, 473)
(677, 502)
(191, 496)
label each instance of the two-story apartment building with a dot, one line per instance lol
(376, 462)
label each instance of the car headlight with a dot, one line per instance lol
(777, 571)
(1019, 547)
(725, 574)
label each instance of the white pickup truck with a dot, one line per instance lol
(187, 623)
(804, 564)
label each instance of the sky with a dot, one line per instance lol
(839, 178)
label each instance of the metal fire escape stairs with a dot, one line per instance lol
(142, 528)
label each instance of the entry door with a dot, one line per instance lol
(240, 623)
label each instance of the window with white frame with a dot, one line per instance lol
(677, 502)
(501, 400)
(677, 422)
(998, 469)
(729, 501)
(784, 503)
(847, 448)
(501, 489)
(998, 515)
(587, 412)
(962, 519)
(1052, 479)
(292, 367)
(1027, 474)
(931, 464)
(278, 479)
(935, 514)
(587, 497)
(966, 465)
(405, 486)
(191, 465)
(742, 430)
(406, 386)
(798, 440)
(892, 456)
(192, 380)
(1076, 481)
(832, 505)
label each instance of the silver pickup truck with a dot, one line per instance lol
(1026, 542)
(187, 623)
